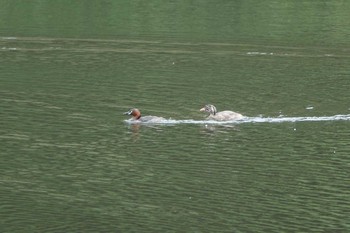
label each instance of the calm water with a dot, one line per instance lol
(70, 162)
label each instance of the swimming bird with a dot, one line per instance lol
(220, 116)
(136, 116)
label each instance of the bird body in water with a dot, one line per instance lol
(220, 116)
(136, 117)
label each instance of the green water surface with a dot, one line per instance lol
(69, 162)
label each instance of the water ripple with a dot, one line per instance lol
(246, 120)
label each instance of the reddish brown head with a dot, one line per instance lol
(134, 112)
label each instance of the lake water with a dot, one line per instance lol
(70, 162)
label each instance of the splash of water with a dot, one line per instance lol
(248, 120)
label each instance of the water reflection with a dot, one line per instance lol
(137, 129)
(212, 129)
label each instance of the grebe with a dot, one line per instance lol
(220, 116)
(136, 116)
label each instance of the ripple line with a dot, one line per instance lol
(247, 120)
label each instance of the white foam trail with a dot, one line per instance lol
(295, 119)
(247, 120)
